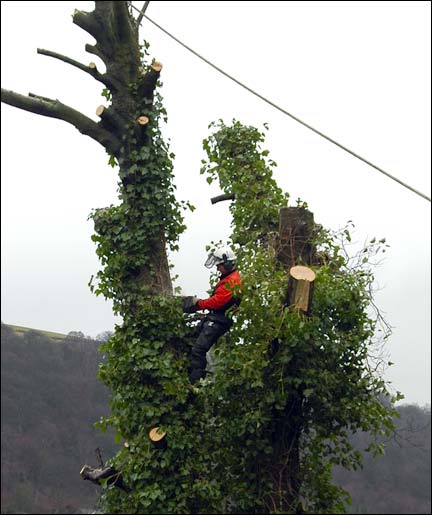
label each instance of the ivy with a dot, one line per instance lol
(324, 359)
(146, 360)
(224, 449)
(243, 170)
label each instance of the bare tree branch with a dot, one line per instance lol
(87, 21)
(91, 71)
(143, 10)
(55, 109)
(99, 457)
(110, 474)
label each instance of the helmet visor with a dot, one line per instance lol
(212, 260)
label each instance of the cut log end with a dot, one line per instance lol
(100, 110)
(156, 435)
(92, 66)
(84, 471)
(143, 120)
(300, 288)
(157, 66)
(302, 273)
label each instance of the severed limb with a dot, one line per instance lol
(91, 70)
(55, 109)
(112, 476)
(221, 198)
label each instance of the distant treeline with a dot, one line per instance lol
(399, 481)
(51, 397)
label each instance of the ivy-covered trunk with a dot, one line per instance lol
(140, 224)
(297, 382)
(146, 360)
(148, 218)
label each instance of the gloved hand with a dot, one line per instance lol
(190, 304)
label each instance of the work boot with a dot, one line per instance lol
(196, 375)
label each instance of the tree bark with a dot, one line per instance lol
(112, 476)
(55, 109)
(296, 231)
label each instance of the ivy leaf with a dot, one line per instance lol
(112, 161)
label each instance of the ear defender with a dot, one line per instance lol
(229, 265)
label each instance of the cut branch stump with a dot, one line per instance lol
(221, 198)
(158, 438)
(300, 288)
(112, 476)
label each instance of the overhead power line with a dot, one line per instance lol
(283, 110)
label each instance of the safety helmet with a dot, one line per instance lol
(223, 256)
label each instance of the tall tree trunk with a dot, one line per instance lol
(296, 229)
(125, 125)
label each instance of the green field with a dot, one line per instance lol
(22, 330)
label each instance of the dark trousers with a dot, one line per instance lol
(211, 331)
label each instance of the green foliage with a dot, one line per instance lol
(264, 433)
(50, 395)
(281, 372)
(243, 170)
(131, 236)
(106, 93)
(147, 357)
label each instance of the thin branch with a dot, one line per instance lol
(99, 457)
(91, 71)
(407, 434)
(55, 109)
(143, 10)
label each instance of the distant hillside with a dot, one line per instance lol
(399, 481)
(51, 398)
(20, 331)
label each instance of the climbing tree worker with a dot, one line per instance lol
(216, 323)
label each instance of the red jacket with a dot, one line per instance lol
(222, 296)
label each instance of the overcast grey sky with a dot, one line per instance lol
(357, 71)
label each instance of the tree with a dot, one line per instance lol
(297, 383)
(76, 334)
(263, 435)
(104, 336)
